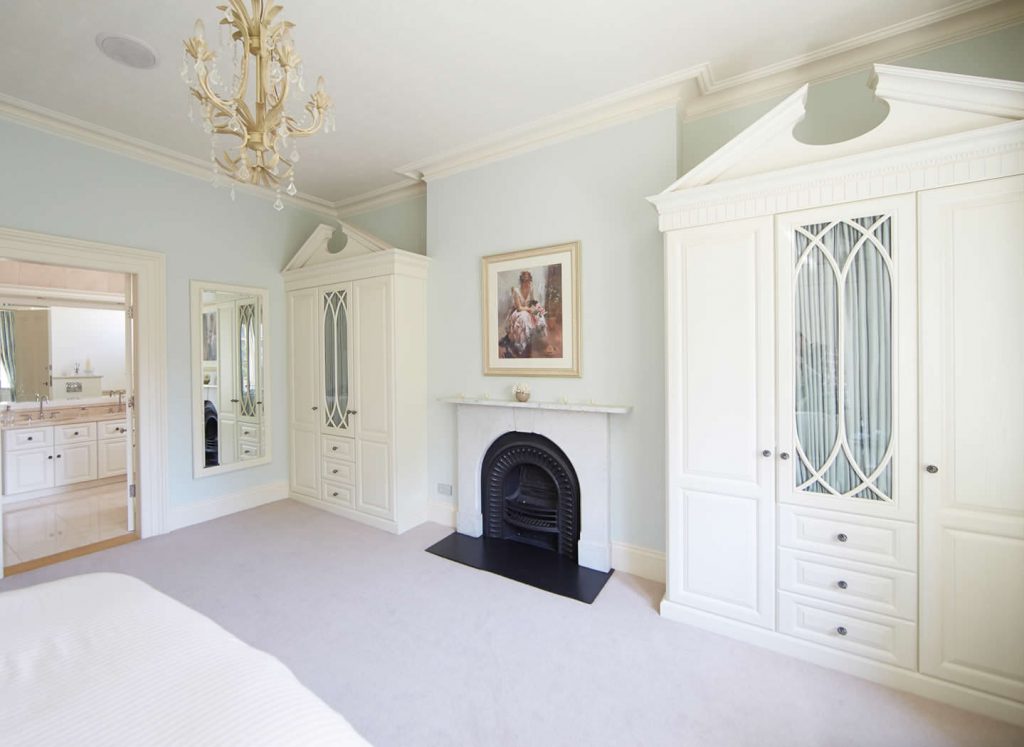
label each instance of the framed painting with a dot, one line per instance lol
(532, 312)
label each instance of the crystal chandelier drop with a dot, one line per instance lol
(260, 149)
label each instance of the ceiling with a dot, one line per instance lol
(412, 79)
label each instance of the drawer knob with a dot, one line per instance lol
(334, 494)
(334, 448)
(76, 433)
(784, 455)
(30, 438)
(842, 537)
(766, 453)
(931, 469)
(334, 471)
(841, 630)
(841, 584)
(50, 457)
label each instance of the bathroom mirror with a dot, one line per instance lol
(230, 381)
(60, 353)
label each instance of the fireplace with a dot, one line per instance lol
(530, 493)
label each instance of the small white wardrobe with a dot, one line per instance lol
(357, 385)
(845, 391)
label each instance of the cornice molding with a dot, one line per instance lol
(392, 194)
(923, 33)
(632, 103)
(56, 123)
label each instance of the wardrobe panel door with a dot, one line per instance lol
(720, 419)
(302, 357)
(303, 391)
(972, 435)
(335, 344)
(847, 357)
(373, 358)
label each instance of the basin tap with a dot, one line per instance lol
(41, 399)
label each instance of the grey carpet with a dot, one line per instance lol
(418, 650)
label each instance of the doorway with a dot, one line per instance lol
(67, 435)
(104, 495)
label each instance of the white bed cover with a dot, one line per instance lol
(104, 659)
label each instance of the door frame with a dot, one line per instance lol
(150, 311)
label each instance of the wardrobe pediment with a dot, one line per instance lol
(316, 250)
(923, 105)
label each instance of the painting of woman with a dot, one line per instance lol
(525, 321)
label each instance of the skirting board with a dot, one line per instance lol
(362, 518)
(196, 512)
(884, 674)
(638, 561)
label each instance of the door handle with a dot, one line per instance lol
(931, 469)
(784, 455)
(352, 412)
(766, 453)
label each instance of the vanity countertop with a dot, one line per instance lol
(55, 417)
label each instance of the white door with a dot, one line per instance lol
(972, 435)
(131, 436)
(74, 463)
(372, 416)
(847, 360)
(31, 469)
(335, 344)
(720, 349)
(303, 392)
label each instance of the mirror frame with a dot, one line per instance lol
(199, 468)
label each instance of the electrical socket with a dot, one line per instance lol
(444, 488)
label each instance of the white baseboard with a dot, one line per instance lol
(441, 512)
(639, 561)
(196, 512)
(876, 671)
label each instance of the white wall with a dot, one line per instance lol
(77, 335)
(57, 186)
(591, 189)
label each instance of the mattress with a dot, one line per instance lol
(105, 659)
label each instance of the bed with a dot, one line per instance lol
(105, 659)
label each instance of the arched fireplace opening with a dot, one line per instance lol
(530, 493)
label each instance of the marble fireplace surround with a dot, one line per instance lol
(579, 430)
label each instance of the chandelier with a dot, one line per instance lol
(260, 147)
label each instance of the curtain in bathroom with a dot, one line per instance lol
(843, 357)
(7, 348)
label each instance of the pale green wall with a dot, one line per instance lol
(845, 107)
(404, 224)
(590, 189)
(57, 186)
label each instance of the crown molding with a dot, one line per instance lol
(632, 103)
(392, 194)
(917, 35)
(63, 125)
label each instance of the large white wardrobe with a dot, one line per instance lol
(845, 397)
(357, 388)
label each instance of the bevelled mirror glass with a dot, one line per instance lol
(229, 378)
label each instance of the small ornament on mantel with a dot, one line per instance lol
(522, 391)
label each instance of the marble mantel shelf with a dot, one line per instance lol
(566, 406)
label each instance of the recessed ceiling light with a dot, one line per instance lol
(127, 50)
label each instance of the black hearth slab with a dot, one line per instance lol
(529, 565)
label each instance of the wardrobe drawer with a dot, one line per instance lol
(877, 637)
(248, 450)
(861, 538)
(339, 495)
(73, 434)
(249, 431)
(338, 448)
(27, 438)
(111, 429)
(867, 587)
(344, 472)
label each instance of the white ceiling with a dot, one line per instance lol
(412, 78)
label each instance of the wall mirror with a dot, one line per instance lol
(60, 353)
(230, 380)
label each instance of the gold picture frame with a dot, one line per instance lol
(531, 312)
